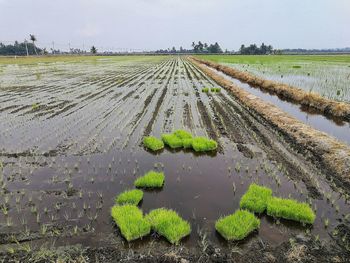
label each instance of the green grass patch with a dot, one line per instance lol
(256, 198)
(238, 225)
(290, 209)
(187, 143)
(130, 221)
(172, 140)
(296, 66)
(151, 179)
(202, 144)
(169, 224)
(131, 197)
(153, 143)
(206, 90)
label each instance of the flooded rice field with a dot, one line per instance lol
(71, 141)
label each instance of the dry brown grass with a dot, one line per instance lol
(294, 94)
(333, 155)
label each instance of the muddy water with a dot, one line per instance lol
(335, 127)
(64, 167)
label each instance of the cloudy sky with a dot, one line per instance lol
(154, 24)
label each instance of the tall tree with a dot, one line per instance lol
(93, 50)
(33, 39)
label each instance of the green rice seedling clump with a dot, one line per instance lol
(238, 225)
(131, 197)
(153, 143)
(151, 179)
(187, 143)
(130, 221)
(290, 209)
(172, 141)
(202, 144)
(256, 198)
(169, 224)
(206, 90)
(215, 89)
(182, 134)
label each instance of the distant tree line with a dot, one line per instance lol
(253, 49)
(196, 48)
(19, 49)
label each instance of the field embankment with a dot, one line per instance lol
(326, 151)
(294, 94)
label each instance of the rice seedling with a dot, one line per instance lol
(152, 179)
(256, 198)
(215, 89)
(290, 209)
(130, 221)
(131, 197)
(202, 144)
(182, 134)
(238, 225)
(172, 141)
(206, 90)
(153, 143)
(169, 224)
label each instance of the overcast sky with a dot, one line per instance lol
(154, 24)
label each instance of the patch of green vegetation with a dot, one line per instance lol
(172, 140)
(290, 209)
(153, 143)
(215, 89)
(35, 106)
(238, 225)
(256, 198)
(206, 90)
(187, 143)
(202, 144)
(169, 224)
(151, 179)
(131, 197)
(130, 221)
(182, 134)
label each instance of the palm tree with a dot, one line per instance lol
(93, 50)
(33, 39)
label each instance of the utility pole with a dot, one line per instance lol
(25, 42)
(53, 47)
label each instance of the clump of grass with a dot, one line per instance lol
(35, 106)
(256, 198)
(130, 221)
(172, 140)
(169, 224)
(202, 144)
(153, 143)
(131, 197)
(290, 209)
(238, 225)
(187, 143)
(215, 89)
(206, 90)
(296, 66)
(151, 179)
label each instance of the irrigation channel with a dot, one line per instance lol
(71, 140)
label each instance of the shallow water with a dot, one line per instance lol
(64, 165)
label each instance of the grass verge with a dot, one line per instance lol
(153, 143)
(256, 198)
(130, 221)
(290, 209)
(151, 179)
(131, 197)
(238, 225)
(169, 224)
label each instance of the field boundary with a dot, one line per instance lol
(332, 155)
(297, 95)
